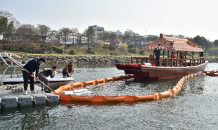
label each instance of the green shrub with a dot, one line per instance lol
(91, 51)
(132, 50)
(57, 50)
(44, 46)
(130, 46)
(110, 47)
(72, 52)
(21, 49)
(141, 52)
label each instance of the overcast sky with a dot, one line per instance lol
(185, 17)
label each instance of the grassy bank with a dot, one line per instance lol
(83, 51)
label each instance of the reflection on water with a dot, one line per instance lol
(194, 107)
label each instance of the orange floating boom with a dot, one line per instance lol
(103, 99)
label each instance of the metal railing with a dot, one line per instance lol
(10, 55)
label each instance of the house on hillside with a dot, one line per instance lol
(97, 30)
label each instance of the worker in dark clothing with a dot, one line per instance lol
(157, 54)
(45, 73)
(68, 70)
(31, 66)
(201, 54)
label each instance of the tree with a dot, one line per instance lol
(43, 30)
(127, 36)
(79, 39)
(202, 41)
(74, 33)
(123, 47)
(89, 33)
(3, 24)
(112, 38)
(26, 33)
(12, 39)
(65, 34)
(6, 20)
(151, 38)
(215, 43)
(104, 36)
(52, 38)
(99, 45)
(135, 38)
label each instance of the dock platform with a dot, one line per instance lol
(11, 96)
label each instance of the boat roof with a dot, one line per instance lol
(173, 44)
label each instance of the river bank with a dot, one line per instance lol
(92, 59)
(80, 59)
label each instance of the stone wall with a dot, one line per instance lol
(80, 59)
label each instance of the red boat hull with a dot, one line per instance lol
(159, 73)
(128, 68)
(142, 72)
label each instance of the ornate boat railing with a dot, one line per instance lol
(170, 62)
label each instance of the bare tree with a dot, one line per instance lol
(112, 38)
(74, 33)
(89, 33)
(65, 34)
(104, 36)
(135, 38)
(79, 39)
(26, 33)
(43, 30)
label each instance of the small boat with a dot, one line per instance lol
(54, 82)
(168, 67)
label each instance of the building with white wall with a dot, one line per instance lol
(97, 30)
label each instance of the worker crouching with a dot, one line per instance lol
(68, 70)
(46, 73)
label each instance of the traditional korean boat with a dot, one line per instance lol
(168, 67)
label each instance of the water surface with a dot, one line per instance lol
(194, 107)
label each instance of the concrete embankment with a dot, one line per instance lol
(85, 59)
(80, 59)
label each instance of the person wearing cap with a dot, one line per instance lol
(31, 66)
(68, 70)
(45, 73)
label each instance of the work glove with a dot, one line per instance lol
(37, 78)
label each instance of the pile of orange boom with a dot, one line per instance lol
(211, 73)
(103, 99)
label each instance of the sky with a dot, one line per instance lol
(178, 17)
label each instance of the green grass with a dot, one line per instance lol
(103, 52)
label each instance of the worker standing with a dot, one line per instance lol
(45, 73)
(157, 54)
(68, 70)
(31, 66)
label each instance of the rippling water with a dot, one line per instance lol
(194, 107)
